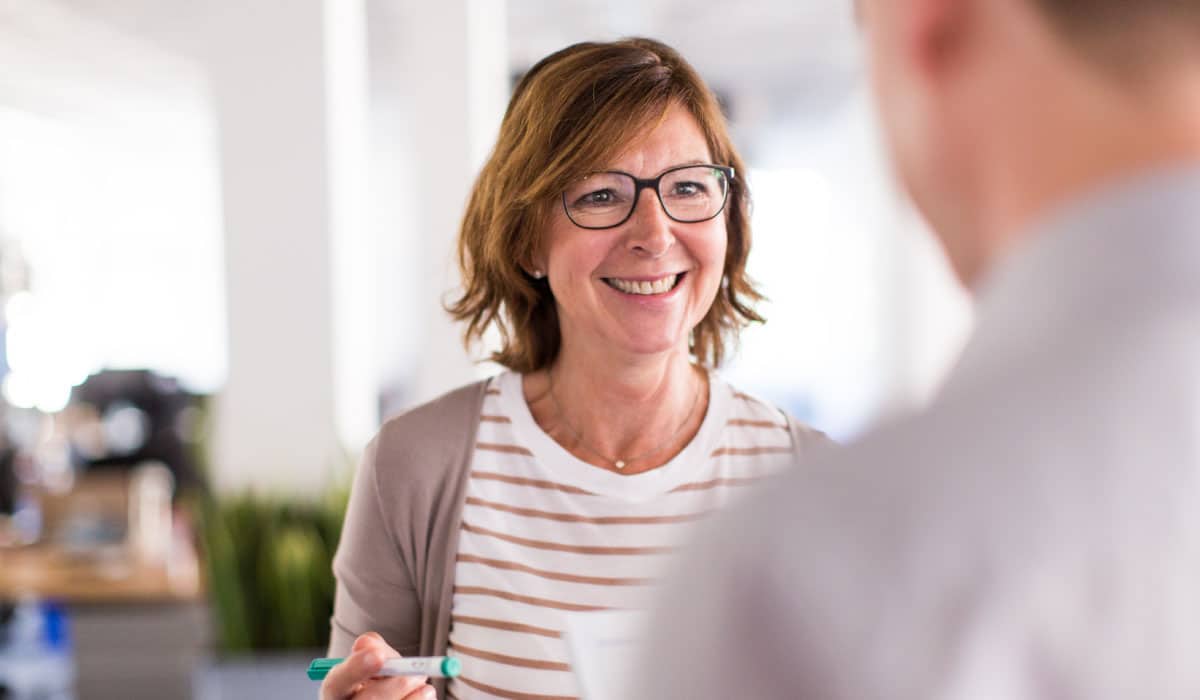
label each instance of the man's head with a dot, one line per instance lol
(1124, 36)
(998, 110)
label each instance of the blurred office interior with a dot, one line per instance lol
(225, 236)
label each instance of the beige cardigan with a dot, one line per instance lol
(395, 561)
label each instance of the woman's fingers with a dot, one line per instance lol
(344, 680)
(425, 693)
(368, 639)
(396, 688)
(357, 677)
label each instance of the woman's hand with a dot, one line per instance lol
(355, 677)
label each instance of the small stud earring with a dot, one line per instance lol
(538, 274)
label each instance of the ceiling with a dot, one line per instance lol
(774, 62)
(791, 51)
(792, 56)
(73, 63)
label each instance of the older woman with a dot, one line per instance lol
(606, 239)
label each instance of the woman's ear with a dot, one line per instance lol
(535, 267)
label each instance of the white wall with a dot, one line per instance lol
(108, 188)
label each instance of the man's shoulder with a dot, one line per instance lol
(1058, 427)
(917, 471)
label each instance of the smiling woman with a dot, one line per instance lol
(606, 239)
(577, 113)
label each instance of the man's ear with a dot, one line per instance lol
(934, 32)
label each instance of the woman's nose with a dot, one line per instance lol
(649, 231)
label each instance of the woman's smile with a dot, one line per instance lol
(646, 286)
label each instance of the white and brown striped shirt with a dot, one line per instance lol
(544, 533)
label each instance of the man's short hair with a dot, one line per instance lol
(1127, 33)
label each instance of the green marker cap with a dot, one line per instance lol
(318, 669)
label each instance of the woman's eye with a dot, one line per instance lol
(597, 198)
(688, 189)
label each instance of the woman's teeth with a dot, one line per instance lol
(659, 286)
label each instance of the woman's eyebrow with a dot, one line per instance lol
(693, 161)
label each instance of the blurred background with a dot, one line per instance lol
(225, 238)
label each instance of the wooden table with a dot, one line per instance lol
(140, 628)
(105, 576)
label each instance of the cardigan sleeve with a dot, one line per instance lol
(395, 561)
(375, 590)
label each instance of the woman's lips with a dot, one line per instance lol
(643, 286)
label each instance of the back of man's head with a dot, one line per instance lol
(1127, 35)
(998, 111)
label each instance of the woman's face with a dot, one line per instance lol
(599, 277)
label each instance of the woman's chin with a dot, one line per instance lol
(650, 345)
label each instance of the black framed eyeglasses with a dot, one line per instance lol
(688, 194)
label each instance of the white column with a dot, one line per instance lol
(289, 92)
(451, 91)
(353, 247)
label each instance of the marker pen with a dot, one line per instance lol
(432, 666)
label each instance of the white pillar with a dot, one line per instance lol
(452, 88)
(289, 92)
(354, 250)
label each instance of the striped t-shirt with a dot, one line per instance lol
(544, 533)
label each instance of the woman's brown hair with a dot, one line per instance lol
(569, 114)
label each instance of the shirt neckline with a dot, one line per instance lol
(563, 467)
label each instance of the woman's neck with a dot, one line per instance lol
(628, 416)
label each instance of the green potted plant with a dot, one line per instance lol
(268, 570)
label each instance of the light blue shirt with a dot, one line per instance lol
(1035, 533)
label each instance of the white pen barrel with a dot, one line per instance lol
(417, 666)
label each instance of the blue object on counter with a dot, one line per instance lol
(36, 659)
